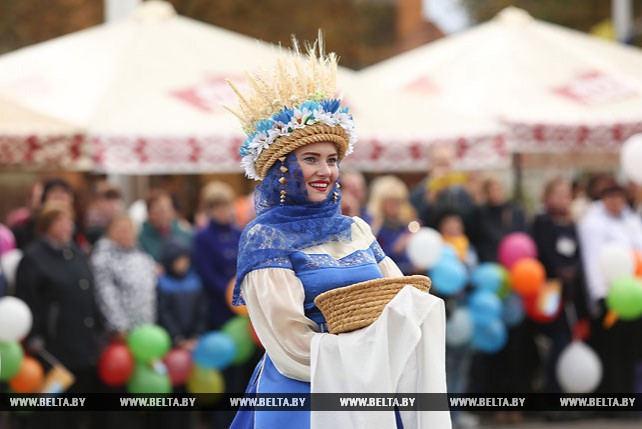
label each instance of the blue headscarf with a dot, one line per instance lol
(280, 230)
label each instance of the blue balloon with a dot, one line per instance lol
(513, 310)
(448, 276)
(487, 276)
(490, 337)
(485, 307)
(448, 252)
(459, 327)
(215, 350)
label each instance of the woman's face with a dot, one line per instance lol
(320, 166)
(61, 229)
(123, 233)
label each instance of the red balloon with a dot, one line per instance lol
(179, 366)
(539, 311)
(116, 365)
(514, 247)
(255, 337)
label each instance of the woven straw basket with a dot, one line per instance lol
(356, 306)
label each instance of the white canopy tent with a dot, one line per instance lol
(553, 88)
(146, 94)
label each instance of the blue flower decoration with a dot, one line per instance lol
(284, 115)
(264, 125)
(330, 106)
(310, 105)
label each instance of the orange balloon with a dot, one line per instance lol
(527, 276)
(30, 377)
(240, 310)
(637, 257)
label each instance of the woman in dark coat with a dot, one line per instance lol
(55, 280)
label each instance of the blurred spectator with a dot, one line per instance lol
(182, 308)
(391, 213)
(161, 224)
(451, 227)
(125, 278)
(495, 219)
(21, 215)
(354, 183)
(442, 187)
(557, 243)
(244, 209)
(350, 205)
(56, 282)
(107, 202)
(215, 250)
(610, 221)
(54, 190)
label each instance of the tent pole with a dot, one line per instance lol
(621, 14)
(518, 177)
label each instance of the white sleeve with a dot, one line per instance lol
(274, 298)
(389, 268)
(591, 242)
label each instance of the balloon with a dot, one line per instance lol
(238, 330)
(7, 240)
(448, 277)
(625, 298)
(10, 359)
(485, 307)
(579, 369)
(424, 248)
(146, 380)
(631, 157)
(487, 276)
(513, 310)
(255, 337)
(10, 262)
(505, 289)
(15, 319)
(138, 213)
(527, 276)
(448, 252)
(546, 304)
(637, 259)
(115, 365)
(203, 380)
(489, 337)
(179, 366)
(514, 247)
(459, 327)
(148, 342)
(615, 261)
(214, 350)
(29, 378)
(241, 310)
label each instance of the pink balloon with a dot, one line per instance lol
(514, 247)
(7, 240)
(179, 365)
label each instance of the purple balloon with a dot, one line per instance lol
(514, 247)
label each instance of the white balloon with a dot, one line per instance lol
(631, 158)
(10, 261)
(138, 213)
(616, 261)
(15, 319)
(424, 248)
(579, 369)
(459, 327)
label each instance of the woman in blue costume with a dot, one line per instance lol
(300, 245)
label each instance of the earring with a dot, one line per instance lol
(336, 193)
(283, 180)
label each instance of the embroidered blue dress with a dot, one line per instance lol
(313, 273)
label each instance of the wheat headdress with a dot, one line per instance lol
(293, 106)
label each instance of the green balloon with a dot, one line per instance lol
(238, 329)
(505, 288)
(625, 298)
(146, 380)
(148, 343)
(10, 359)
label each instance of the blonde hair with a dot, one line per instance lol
(215, 193)
(386, 187)
(50, 213)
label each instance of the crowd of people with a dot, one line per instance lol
(90, 281)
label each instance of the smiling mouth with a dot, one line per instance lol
(319, 186)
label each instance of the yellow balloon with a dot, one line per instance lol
(203, 380)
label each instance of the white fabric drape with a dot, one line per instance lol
(402, 352)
